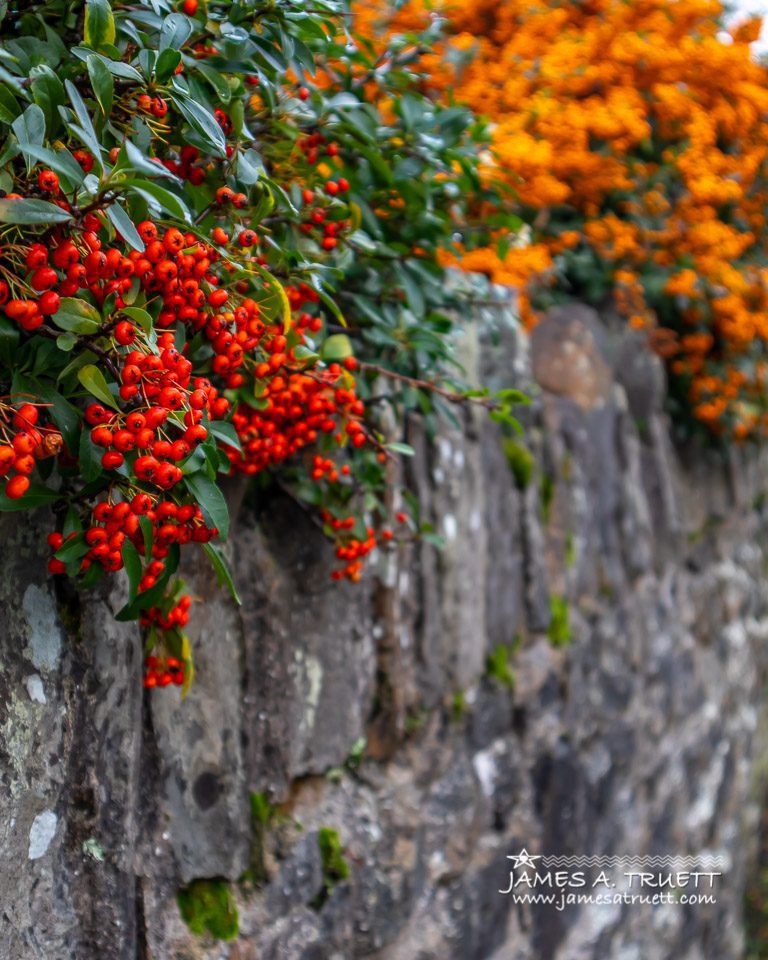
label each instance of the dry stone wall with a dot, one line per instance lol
(615, 585)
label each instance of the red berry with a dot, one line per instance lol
(48, 181)
(49, 302)
(125, 333)
(16, 487)
(112, 459)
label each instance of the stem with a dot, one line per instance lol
(452, 396)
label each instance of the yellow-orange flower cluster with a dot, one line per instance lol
(635, 137)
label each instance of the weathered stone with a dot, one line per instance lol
(639, 734)
(567, 359)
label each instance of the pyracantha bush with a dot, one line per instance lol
(220, 233)
(634, 137)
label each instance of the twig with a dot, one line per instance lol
(452, 396)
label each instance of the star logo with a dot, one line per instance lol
(523, 859)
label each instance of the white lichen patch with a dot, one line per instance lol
(41, 834)
(486, 769)
(312, 670)
(44, 647)
(35, 688)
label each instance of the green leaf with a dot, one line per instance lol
(337, 347)
(86, 129)
(166, 64)
(99, 24)
(61, 161)
(124, 226)
(202, 121)
(36, 496)
(73, 548)
(32, 211)
(211, 501)
(272, 299)
(148, 532)
(94, 382)
(9, 340)
(30, 131)
(176, 30)
(143, 601)
(223, 573)
(132, 563)
(189, 666)
(140, 316)
(154, 193)
(225, 432)
(77, 316)
(115, 67)
(402, 448)
(102, 83)
(133, 159)
(220, 86)
(63, 413)
(9, 105)
(510, 395)
(89, 457)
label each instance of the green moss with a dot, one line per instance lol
(334, 864)
(262, 811)
(356, 754)
(416, 720)
(262, 815)
(497, 666)
(207, 906)
(559, 632)
(458, 706)
(521, 462)
(570, 551)
(546, 496)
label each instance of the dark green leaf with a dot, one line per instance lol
(36, 496)
(202, 121)
(223, 573)
(211, 501)
(166, 64)
(32, 211)
(9, 105)
(225, 432)
(154, 193)
(132, 563)
(102, 83)
(89, 457)
(124, 226)
(176, 30)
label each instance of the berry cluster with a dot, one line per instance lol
(317, 216)
(23, 445)
(163, 671)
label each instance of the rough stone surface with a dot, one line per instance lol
(641, 733)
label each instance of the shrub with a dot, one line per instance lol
(221, 231)
(633, 136)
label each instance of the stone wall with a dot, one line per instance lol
(615, 586)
